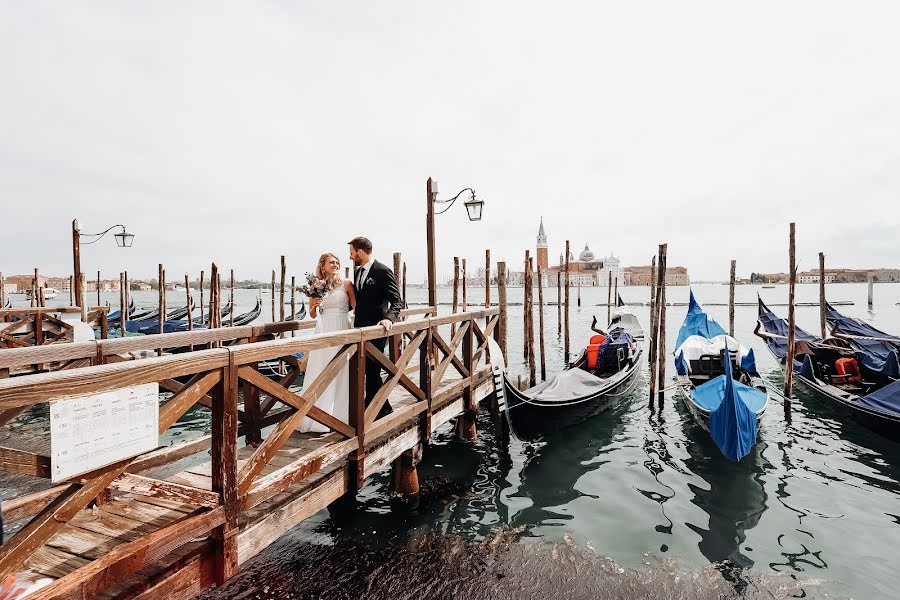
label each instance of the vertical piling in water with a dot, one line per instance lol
(578, 294)
(71, 292)
(39, 297)
(871, 281)
(532, 366)
(559, 302)
(566, 311)
(281, 289)
(616, 290)
(404, 285)
(822, 294)
(540, 283)
(127, 294)
(526, 307)
(293, 301)
(661, 347)
(609, 297)
(231, 299)
(487, 278)
(654, 328)
(83, 299)
(501, 300)
(464, 275)
(273, 295)
(202, 273)
(98, 287)
(455, 292)
(162, 302)
(190, 306)
(792, 325)
(731, 298)
(123, 305)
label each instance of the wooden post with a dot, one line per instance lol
(224, 469)
(822, 294)
(526, 309)
(123, 305)
(281, 288)
(76, 260)
(127, 295)
(792, 325)
(71, 293)
(871, 281)
(162, 301)
(540, 282)
(578, 301)
(661, 283)
(731, 298)
(98, 288)
(3, 292)
(566, 311)
(293, 301)
(404, 286)
(609, 297)
(464, 275)
(201, 297)
(455, 292)
(39, 293)
(616, 290)
(529, 274)
(357, 417)
(83, 300)
(429, 242)
(651, 356)
(501, 299)
(465, 424)
(487, 278)
(397, 265)
(559, 302)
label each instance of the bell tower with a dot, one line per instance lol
(541, 254)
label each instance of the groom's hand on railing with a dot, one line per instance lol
(386, 324)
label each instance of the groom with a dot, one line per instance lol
(378, 302)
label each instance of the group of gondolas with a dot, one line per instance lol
(147, 321)
(716, 376)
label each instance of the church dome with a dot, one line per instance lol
(586, 254)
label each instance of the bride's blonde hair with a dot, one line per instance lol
(320, 269)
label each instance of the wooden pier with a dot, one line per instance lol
(179, 519)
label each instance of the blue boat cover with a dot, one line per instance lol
(607, 354)
(732, 407)
(876, 355)
(772, 323)
(697, 322)
(886, 400)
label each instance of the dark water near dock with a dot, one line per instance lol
(635, 503)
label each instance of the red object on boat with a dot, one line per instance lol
(593, 350)
(848, 370)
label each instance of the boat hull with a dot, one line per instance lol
(885, 425)
(702, 416)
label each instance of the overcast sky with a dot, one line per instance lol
(239, 132)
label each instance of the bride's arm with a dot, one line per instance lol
(351, 293)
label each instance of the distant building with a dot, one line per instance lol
(813, 277)
(640, 275)
(586, 270)
(106, 285)
(10, 288)
(542, 258)
(141, 286)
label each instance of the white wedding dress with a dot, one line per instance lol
(333, 315)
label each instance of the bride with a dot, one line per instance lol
(332, 313)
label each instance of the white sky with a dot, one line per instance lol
(238, 132)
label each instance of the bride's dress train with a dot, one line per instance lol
(333, 315)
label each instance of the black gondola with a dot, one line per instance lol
(838, 373)
(604, 373)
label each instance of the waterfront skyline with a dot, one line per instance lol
(273, 129)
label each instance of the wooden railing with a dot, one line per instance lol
(25, 327)
(217, 378)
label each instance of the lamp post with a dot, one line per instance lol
(123, 240)
(473, 208)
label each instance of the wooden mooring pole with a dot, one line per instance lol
(281, 289)
(661, 347)
(526, 308)
(566, 311)
(578, 294)
(822, 294)
(405, 303)
(609, 297)
(559, 302)
(162, 303)
(464, 276)
(529, 310)
(654, 330)
(616, 290)
(127, 294)
(202, 274)
(792, 324)
(731, 298)
(870, 278)
(293, 301)
(487, 278)
(455, 292)
(650, 356)
(231, 299)
(540, 283)
(71, 292)
(501, 299)
(123, 305)
(273, 295)
(98, 287)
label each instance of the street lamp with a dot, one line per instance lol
(474, 208)
(123, 240)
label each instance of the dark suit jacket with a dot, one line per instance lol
(378, 298)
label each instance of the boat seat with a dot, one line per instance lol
(593, 350)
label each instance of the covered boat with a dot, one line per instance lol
(604, 373)
(846, 370)
(719, 383)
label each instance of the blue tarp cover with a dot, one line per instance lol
(886, 400)
(607, 354)
(699, 323)
(775, 324)
(877, 356)
(732, 407)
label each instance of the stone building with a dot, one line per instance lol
(640, 275)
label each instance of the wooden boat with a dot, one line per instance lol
(719, 384)
(849, 377)
(249, 317)
(604, 373)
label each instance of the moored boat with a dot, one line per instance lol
(718, 382)
(846, 372)
(605, 372)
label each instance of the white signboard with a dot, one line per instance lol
(92, 431)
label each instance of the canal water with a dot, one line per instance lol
(635, 503)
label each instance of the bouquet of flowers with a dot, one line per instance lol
(315, 287)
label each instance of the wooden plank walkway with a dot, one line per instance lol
(148, 536)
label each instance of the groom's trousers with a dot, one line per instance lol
(373, 378)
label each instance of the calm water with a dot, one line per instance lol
(635, 503)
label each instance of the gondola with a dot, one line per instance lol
(605, 372)
(717, 380)
(249, 317)
(850, 377)
(203, 319)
